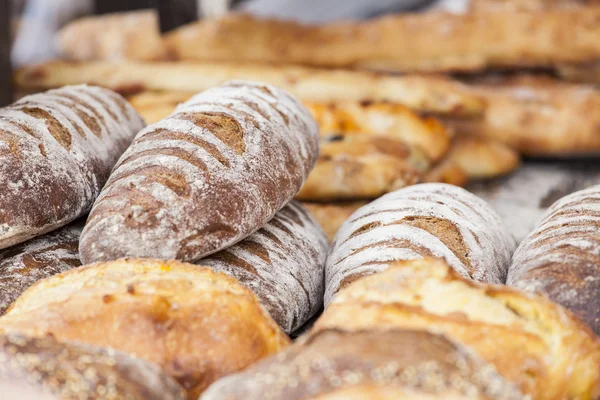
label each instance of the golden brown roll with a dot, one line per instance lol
(331, 216)
(482, 158)
(197, 324)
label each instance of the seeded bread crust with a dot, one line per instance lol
(56, 152)
(204, 178)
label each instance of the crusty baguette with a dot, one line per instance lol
(426, 93)
(395, 364)
(331, 216)
(26, 263)
(204, 178)
(283, 263)
(133, 35)
(195, 323)
(538, 116)
(561, 259)
(432, 219)
(532, 342)
(414, 42)
(46, 369)
(56, 152)
(481, 157)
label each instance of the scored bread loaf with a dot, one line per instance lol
(432, 219)
(561, 257)
(283, 263)
(205, 177)
(395, 364)
(534, 343)
(56, 152)
(44, 369)
(332, 215)
(24, 264)
(195, 323)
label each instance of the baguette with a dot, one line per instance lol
(331, 216)
(204, 178)
(433, 94)
(112, 37)
(395, 364)
(537, 116)
(414, 42)
(195, 323)
(24, 264)
(56, 152)
(560, 259)
(283, 263)
(541, 347)
(44, 369)
(432, 219)
(482, 158)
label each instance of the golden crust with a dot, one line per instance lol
(331, 216)
(154, 106)
(434, 94)
(482, 158)
(531, 341)
(526, 5)
(447, 171)
(585, 73)
(197, 324)
(537, 116)
(122, 36)
(432, 41)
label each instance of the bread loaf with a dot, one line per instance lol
(536, 344)
(395, 364)
(56, 152)
(283, 263)
(447, 171)
(561, 257)
(433, 41)
(425, 93)
(197, 324)
(24, 264)
(204, 178)
(423, 220)
(332, 215)
(483, 158)
(49, 370)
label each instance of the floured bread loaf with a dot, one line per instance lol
(394, 364)
(283, 263)
(44, 369)
(561, 257)
(538, 345)
(204, 178)
(24, 264)
(432, 219)
(197, 324)
(56, 152)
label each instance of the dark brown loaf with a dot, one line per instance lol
(561, 258)
(77, 371)
(205, 177)
(56, 152)
(393, 361)
(283, 263)
(24, 264)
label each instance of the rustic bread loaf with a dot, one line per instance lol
(195, 323)
(283, 263)
(483, 158)
(56, 152)
(332, 215)
(204, 178)
(392, 361)
(432, 219)
(410, 42)
(24, 264)
(561, 257)
(532, 342)
(435, 94)
(47, 369)
(133, 35)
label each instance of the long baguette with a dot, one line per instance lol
(56, 152)
(204, 178)
(426, 93)
(414, 42)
